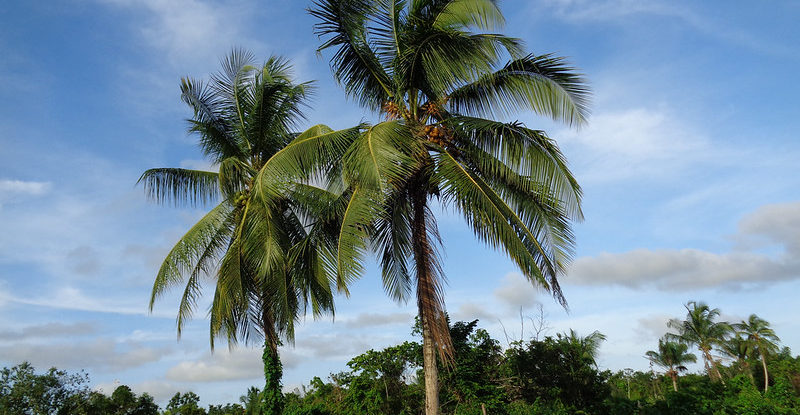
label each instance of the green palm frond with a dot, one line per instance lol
(483, 14)
(382, 153)
(544, 84)
(354, 64)
(510, 150)
(314, 150)
(363, 206)
(193, 250)
(181, 187)
(494, 222)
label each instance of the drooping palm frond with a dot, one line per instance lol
(355, 65)
(181, 187)
(525, 152)
(316, 149)
(544, 84)
(495, 223)
(193, 252)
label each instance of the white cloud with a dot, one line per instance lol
(639, 143)
(9, 187)
(71, 298)
(623, 11)
(687, 269)
(516, 292)
(223, 365)
(190, 31)
(373, 319)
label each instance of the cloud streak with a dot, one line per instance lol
(688, 269)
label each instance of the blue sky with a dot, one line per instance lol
(689, 168)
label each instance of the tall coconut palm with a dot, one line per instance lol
(699, 329)
(671, 356)
(427, 67)
(762, 338)
(268, 262)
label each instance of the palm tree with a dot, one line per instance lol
(269, 262)
(739, 349)
(699, 329)
(762, 338)
(589, 345)
(671, 356)
(439, 85)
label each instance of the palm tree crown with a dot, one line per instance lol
(700, 329)
(761, 338)
(671, 356)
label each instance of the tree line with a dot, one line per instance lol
(555, 374)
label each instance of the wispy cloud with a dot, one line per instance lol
(189, 31)
(102, 354)
(9, 187)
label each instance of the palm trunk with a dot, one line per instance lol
(271, 399)
(431, 372)
(766, 374)
(425, 292)
(674, 376)
(713, 371)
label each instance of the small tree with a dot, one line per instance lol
(671, 356)
(761, 338)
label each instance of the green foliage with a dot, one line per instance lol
(184, 404)
(271, 398)
(24, 392)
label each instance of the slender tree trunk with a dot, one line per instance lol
(766, 374)
(713, 371)
(271, 399)
(425, 293)
(674, 376)
(431, 372)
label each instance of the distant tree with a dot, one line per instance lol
(588, 346)
(184, 404)
(227, 409)
(701, 330)
(22, 391)
(671, 356)
(250, 401)
(762, 338)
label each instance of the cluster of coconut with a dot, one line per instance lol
(437, 134)
(392, 110)
(241, 198)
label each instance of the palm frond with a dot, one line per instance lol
(520, 152)
(314, 150)
(544, 84)
(354, 64)
(189, 254)
(494, 222)
(381, 153)
(460, 14)
(181, 187)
